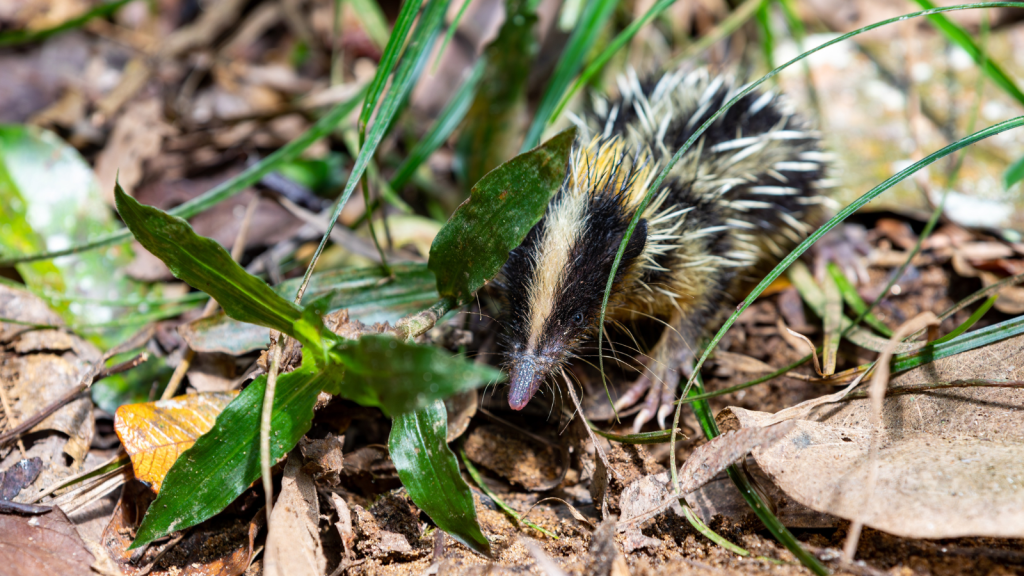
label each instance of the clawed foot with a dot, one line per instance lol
(657, 385)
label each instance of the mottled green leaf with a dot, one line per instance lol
(503, 206)
(206, 265)
(399, 377)
(429, 471)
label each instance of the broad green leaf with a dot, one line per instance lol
(1014, 174)
(429, 471)
(592, 21)
(400, 377)
(205, 265)
(226, 460)
(501, 209)
(490, 135)
(368, 294)
(251, 175)
(50, 199)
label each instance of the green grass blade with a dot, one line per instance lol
(1014, 174)
(221, 192)
(971, 321)
(451, 32)
(374, 23)
(17, 37)
(961, 343)
(443, 127)
(508, 510)
(388, 61)
(854, 301)
(833, 325)
(644, 438)
(764, 22)
(405, 77)
(491, 132)
(429, 471)
(595, 14)
(963, 39)
(621, 40)
(702, 410)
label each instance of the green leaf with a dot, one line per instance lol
(656, 437)
(205, 265)
(399, 377)
(490, 135)
(595, 15)
(49, 197)
(963, 39)
(429, 471)
(1014, 174)
(225, 461)
(501, 209)
(971, 321)
(368, 294)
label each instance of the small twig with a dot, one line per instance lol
(7, 507)
(593, 437)
(265, 422)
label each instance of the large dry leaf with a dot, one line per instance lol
(951, 462)
(46, 544)
(293, 543)
(155, 433)
(41, 366)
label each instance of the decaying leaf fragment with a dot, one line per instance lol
(950, 463)
(155, 433)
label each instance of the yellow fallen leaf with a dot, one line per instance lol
(155, 433)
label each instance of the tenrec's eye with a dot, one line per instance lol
(578, 318)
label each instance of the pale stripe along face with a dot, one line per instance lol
(556, 278)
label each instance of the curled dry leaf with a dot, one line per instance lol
(950, 462)
(155, 433)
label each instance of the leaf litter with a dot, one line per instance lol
(232, 84)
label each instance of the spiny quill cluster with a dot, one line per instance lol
(746, 192)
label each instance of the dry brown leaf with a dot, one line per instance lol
(137, 137)
(293, 543)
(155, 433)
(951, 462)
(45, 544)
